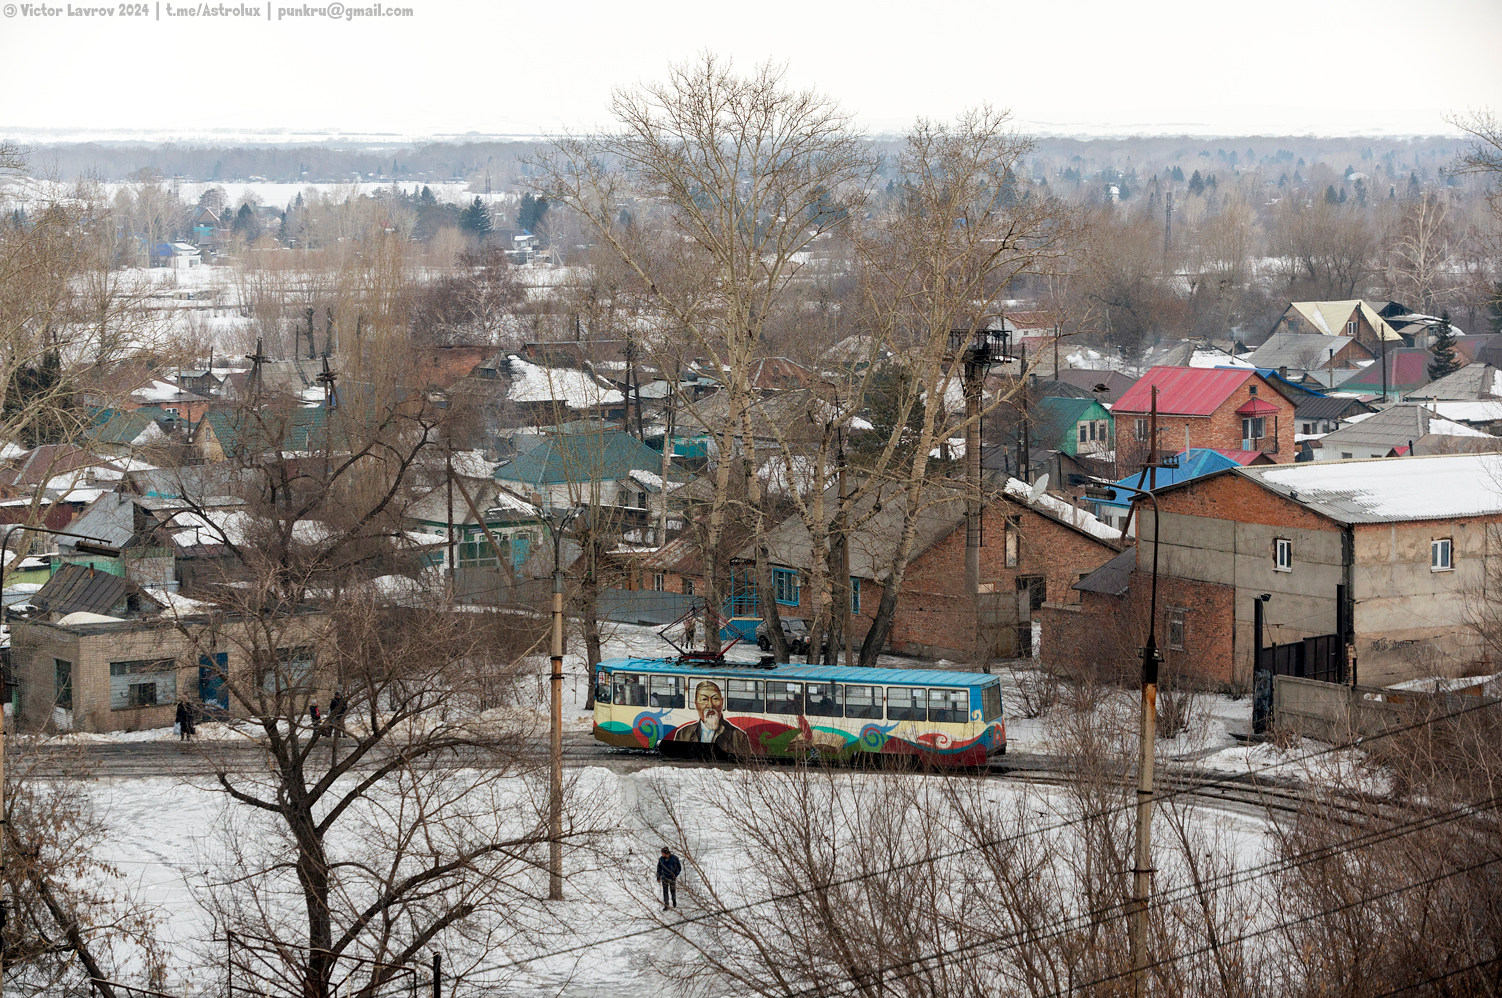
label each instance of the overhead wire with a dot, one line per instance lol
(1186, 790)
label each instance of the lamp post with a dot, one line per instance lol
(1142, 860)
(558, 522)
(974, 348)
(91, 545)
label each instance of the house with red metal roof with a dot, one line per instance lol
(1223, 408)
(1407, 371)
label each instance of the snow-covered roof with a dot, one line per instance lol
(1066, 511)
(1434, 487)
(652, 480)
(574, 388)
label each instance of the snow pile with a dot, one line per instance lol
(1066, 511)
(575, 389)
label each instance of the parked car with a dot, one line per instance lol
(794, 632)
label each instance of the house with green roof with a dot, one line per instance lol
(1076, 426)
(571, 469)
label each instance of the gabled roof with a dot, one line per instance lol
(1298, 351)
(1330, 317)
(1256, 407)
(580, 457)
(1116, 383)
(1397, 425)
(1407, 369)
(1469, 384)
(1329, 407)
(1112, 578)
(78, 587)
(1185, 391)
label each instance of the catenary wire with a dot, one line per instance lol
(1188, 789)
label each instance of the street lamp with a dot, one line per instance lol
(558, 522)
(1142, 864)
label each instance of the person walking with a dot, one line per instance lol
(337, 707)
(183, 721)
(669, 868)
(314, 717)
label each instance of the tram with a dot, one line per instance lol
(813, 712)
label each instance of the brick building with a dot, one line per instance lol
(1221, 408)
(104, 673)
(1032, 550)
(1389, 558)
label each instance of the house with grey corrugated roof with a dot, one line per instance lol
(1404, 428)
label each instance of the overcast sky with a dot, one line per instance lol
(1273, 66)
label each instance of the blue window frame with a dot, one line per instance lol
(785, 585)
(855, 595)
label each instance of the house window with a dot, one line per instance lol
(1351, 328)
(1440, 555)
(641, 500)
(657, 582)
(785, 585)
(1176, 630)
(63, 690)
(1013, 528)
(1283, 555)
(1141, 429)
(1253, 428)
(142, 683)
(1308, 428)
(688, 587)
(1345, 455)
(855, 595)
(1087, 431)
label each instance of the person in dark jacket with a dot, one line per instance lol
(314, 717)
(337, 708)
(669, 868)
(184, 721)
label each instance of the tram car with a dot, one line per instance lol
(826, 713)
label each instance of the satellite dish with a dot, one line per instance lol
(1039, 487)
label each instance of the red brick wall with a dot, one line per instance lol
(933, 612)
(1107, 633)
(1232, 497)
(1221, 429)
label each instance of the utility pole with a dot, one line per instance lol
(849, 628)
(1167, 222)
(555, 780)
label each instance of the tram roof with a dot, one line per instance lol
(809, 673)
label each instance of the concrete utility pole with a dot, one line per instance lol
(555, 777)
(976, 356)
(849, 628)
(1142, 863)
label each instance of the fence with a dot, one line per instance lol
(1335, 713)
(645, 606)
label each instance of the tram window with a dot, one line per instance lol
(823, 700)
(952, 706)
(784, 698)
(602, 687)
(666, 691)
(630, 690)
(907, 703)
(990, 702)
(745, 694)
(863, 702)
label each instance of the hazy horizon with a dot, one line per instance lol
(454, 68)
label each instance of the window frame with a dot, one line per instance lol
(836, 707)
(62, 683)
(162, 680)
(875, 707)
(659, 582)
(1253, 427)
(785, 583)
(755, 704)
(785, 707)
(1282, 546)
(622, 684)
(1445, 545)
(1177, 629)
(916, 708)
(674, 694)
(855, 594)
(1142, 430)
(952, 705)
(990, 702)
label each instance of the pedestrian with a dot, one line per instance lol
(183, 722)
(669, 867)
(313, 715)
(688, 633)
(190, 720)
(337, 707)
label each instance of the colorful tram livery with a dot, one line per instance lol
(799, 711)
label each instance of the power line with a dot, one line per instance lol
(1441, 977)
(1185, 790)
(1059, 927)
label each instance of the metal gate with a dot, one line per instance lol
(1318, 658)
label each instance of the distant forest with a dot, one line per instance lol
(504, 161)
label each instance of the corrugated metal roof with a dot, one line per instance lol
(808, 673)
(1183, 391)
(1256, 407)
(1407, 369)
(1112, 578)
(1384, 490)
